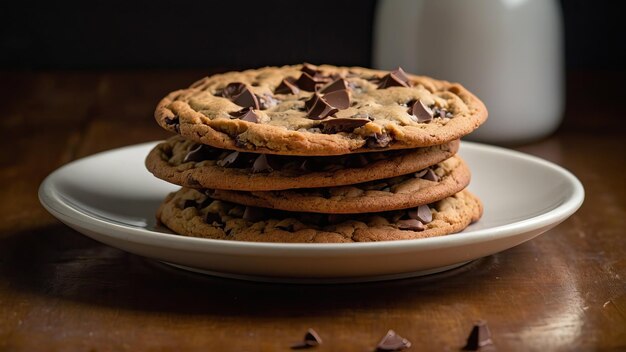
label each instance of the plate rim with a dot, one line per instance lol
(63, 211)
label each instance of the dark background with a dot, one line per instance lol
(242, 34)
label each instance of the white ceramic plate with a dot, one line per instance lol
(112, 198)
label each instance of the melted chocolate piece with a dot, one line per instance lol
(480, 336)
(397, 78)
(430, 175)
(241, 95)
(339, 99)
(213, 219)
(421, 112)
(200, 152)
(261, 164)
(287, 86)
(378, 140)
(420, 173)
(421, 213)
(340, 84)
(253, 214)
(175, 121)
(342, 125)
(228, 160)
(393, 342)
(246, 114)
(410, 224)
(189, 203)
(205, 203)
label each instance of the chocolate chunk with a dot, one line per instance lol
(307, 82)
(266, 101)
(340, 84)
(430, 175)
(420, 173)
(393, 342)
(339, 99)
(410, 224)
(172, 121)
(442, 112)
(309, 69)
(311, 339)
(397, 78)
(246, 114)
(342, 125)
(198, 153)
(357, 160)
(189, 203)
(205, 203)
(319, 106)
(395, 216)
(421, 213)
(309, 103)
(424, 214)
(319, 109)
(480, 336)
(421, 112)
(378, 140)
(261, 164)
(253, 214)
(228, 160)
(213, 219)
(287, 86)
(241, 95)
(239, 143)
(175, 121)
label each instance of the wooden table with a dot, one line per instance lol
(61, 291)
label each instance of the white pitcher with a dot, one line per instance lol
(507, 52)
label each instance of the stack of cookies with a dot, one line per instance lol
(316, 154)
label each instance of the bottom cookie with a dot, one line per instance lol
(191, 213)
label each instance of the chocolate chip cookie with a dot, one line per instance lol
(320, 110)
(190, 212)
(189, 164)
(425, 186)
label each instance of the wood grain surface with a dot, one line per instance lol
(60, 291)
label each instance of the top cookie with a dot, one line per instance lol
(320, 110)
